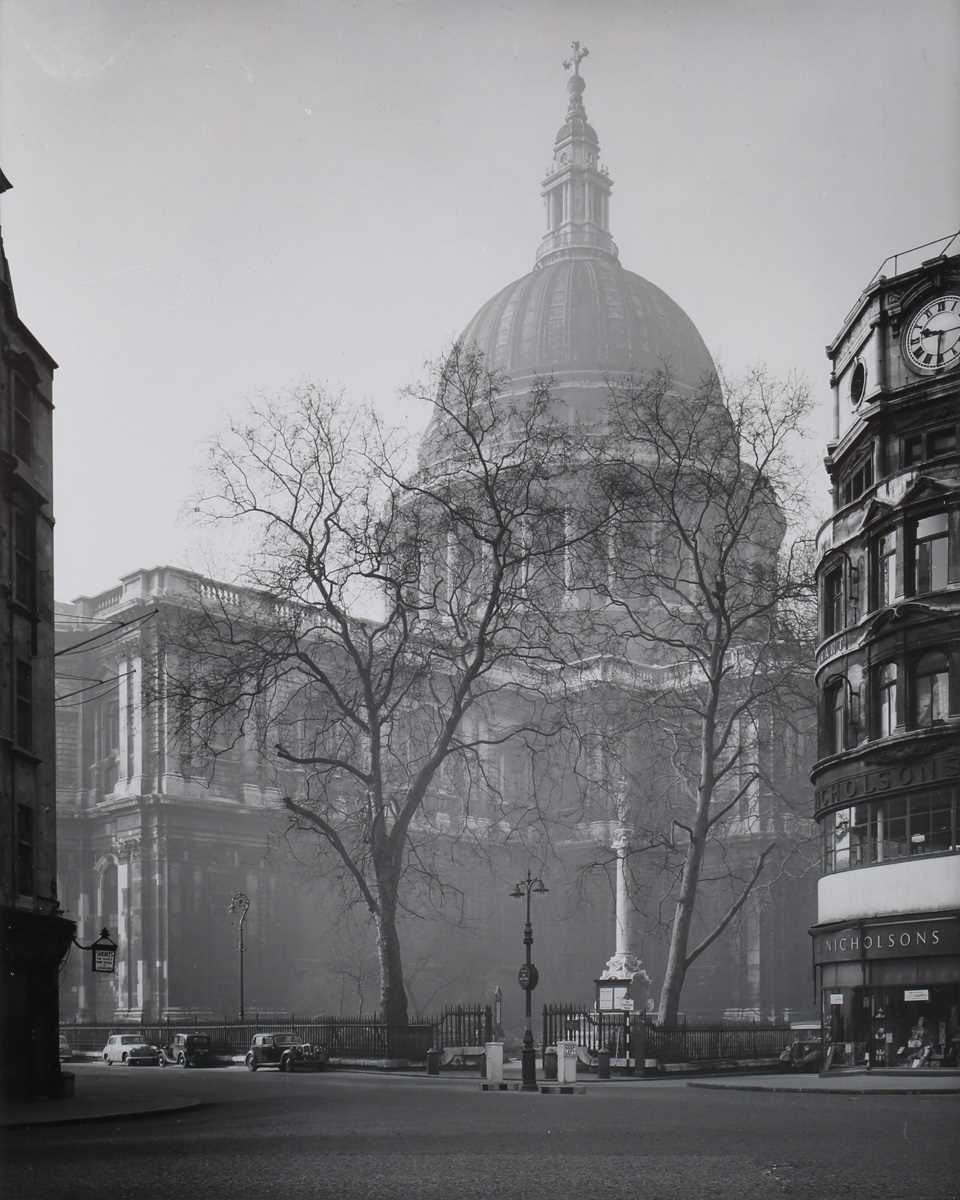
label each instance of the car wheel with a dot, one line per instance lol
(251, 1064)
(162, 1060)
(123, 1059)
(181, 1061)
(106, 1059)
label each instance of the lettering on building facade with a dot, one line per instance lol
(884, 779)
(915, 938)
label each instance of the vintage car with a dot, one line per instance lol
(805, 1052)
(286, 1051)
(130, 1049)
(186, 1050)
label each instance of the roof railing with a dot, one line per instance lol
(906, 260)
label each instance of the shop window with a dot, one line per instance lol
(24, 704)
(857, 482)
(25, 850)
(892, 829)
(885, 568)
(931, 689)
(837, 827)
(833, 620)
(887, 830)
(25, 558)
(930, 553)
(930, 824)
(22, 419)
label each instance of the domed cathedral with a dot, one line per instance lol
(158, 848)
(586, 328)
(887, 777)
(579, 317)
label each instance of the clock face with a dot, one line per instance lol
(932, 340)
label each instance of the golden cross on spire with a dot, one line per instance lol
(575, 59)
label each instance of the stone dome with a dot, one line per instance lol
(584, 319)
(579, 318)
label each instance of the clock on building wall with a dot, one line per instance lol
(932, 339)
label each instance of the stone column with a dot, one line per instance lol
(623, 964)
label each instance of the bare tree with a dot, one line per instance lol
(397, 628)
(701, 585)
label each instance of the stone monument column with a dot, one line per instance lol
(624, 966)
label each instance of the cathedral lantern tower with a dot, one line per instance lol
(576, 191)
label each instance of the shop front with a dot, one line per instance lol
(890, 991)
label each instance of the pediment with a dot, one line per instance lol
(875, 511)
(926, 485)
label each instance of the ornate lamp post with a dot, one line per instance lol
(528, 977)
(240, 903)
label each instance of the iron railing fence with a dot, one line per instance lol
(464, 1025)
(619, 1032)
(343, 1037)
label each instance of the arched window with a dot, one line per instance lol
(931, 689)
(886, 700)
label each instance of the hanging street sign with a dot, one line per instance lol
(103, 954)
(528, 977)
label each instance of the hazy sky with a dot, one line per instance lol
(215, 200)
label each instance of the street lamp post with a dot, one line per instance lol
(528, 977)
(240, 903)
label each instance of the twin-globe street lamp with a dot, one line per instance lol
(528, 977)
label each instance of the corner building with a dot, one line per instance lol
(886, 944)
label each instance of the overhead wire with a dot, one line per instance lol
(90, 687)
(107, 632)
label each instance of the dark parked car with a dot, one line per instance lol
(804, 1054)
(187, 1050)
(286, 1051)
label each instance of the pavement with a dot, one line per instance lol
(127, 1094)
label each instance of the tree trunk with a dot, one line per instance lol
(676, 968)
(393, 995)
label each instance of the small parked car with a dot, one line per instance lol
(286, 1051)
(130, 1049)
(65, 1052)
(187, 1050)
(805, 1053)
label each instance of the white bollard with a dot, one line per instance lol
(566, 1062)
(494, 1053)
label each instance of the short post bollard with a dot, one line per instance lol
(603, 1064)
(567, 1062)
(433, 1062)
(550, 1062)
(493, 1058)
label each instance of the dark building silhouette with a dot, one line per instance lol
(34, 936)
